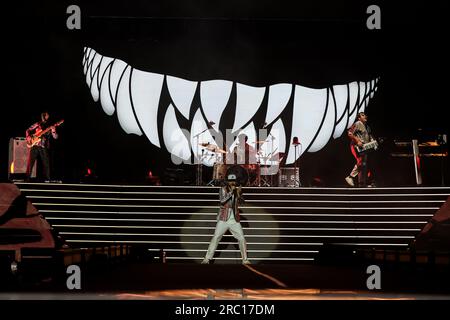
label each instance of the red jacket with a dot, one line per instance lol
(226, 202)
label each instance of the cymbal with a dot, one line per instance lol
(213, 148)
(218, 150)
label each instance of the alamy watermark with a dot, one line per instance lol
(74, 19)
(74, 279)
(374, 20)
(374, 280)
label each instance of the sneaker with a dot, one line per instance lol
(246, 262)
(349, 181)
(205, 261)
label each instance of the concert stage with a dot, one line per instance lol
(304, 244)
(281, 225)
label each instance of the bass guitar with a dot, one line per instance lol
(36, 138)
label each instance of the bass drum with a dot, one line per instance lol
(241, 174)
(253, 171)
(219, 171)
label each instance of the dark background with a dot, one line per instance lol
(315, 44)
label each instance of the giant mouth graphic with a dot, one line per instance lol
(285, 110)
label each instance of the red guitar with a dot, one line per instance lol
(35, 138)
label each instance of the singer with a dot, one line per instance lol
(230, 195)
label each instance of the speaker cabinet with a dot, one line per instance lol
(18, 159)
(289, 177)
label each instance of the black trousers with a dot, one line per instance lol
(39, 153)
(362, 176)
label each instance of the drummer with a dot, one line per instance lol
(243, 152)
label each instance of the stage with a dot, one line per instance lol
(281, 225)
(140, 242)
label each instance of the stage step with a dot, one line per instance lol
(280, 224)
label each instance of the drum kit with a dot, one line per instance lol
(256, 174)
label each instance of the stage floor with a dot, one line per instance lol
(174, 281)
(285, 230)
(229, 294)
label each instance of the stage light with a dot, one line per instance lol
(228, 244)
(88, 174)
(152, 180)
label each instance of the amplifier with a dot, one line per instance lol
(18, 159)
(289, 177)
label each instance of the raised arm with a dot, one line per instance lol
(224, 196)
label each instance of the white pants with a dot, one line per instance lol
(221, 228)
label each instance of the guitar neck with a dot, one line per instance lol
(48, 129)
(45, 131)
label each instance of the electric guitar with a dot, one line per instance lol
(35, 138)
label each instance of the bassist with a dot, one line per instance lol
(40, 149)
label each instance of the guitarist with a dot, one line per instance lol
(359, 134)
(40, 149)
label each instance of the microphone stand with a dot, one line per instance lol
(272, 138)
(199, 168)
(297, 177)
